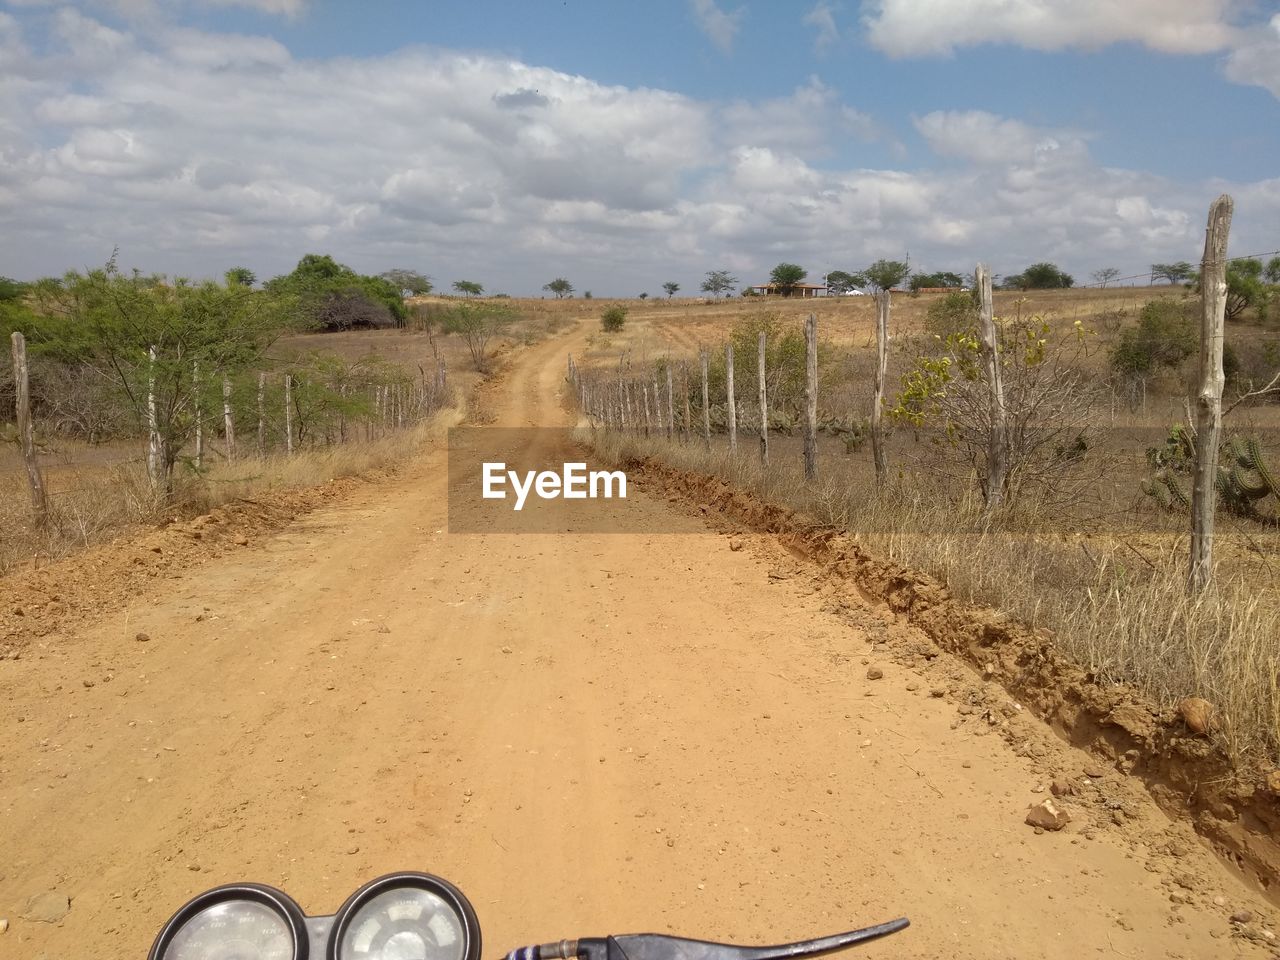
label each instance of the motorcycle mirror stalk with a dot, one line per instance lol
(652, 946)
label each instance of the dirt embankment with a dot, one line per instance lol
(1237, 811)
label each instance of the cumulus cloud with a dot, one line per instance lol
(823, 20)
(719, 25)
(1256, 60)
(194, 151)
(930, 27)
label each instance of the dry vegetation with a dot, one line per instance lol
(1100, 564)
(99, 490)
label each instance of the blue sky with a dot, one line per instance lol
(622, 144)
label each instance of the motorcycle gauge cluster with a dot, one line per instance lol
(402, 916)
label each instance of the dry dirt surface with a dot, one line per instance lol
(589, 733)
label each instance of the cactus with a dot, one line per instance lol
(1243, 478)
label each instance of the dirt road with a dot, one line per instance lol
(588, 733)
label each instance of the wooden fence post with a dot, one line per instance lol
(22, 384)
(688, 417)
(877, 405)
(645, 389)
(997, 443)
(811, 398)
(706, 402)
(228, 423)
(764, 405)
(1213, 303)
(153, 427)
(288, 414)
(262, 414)
(671, 405)
(195, 386)
(732, 400)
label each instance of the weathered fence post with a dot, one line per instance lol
(288, 414)
(732, 401)
(877, 404)
(811, 398)
(706, 401)
(195, 386)
(153, 427)
(645, 390)
(764, 405)
(997, 443)
(22, 384)
(688, 417)
(262, 414)
(228, 422)
(671, 405)
(1213, 303)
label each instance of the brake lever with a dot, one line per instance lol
(653, 946)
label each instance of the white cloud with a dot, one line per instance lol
(284, 8)
(930, 27)
(1256, 60)
(195, 151)
(822, 18)
(719, 25)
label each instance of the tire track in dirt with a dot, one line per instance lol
(589, 733)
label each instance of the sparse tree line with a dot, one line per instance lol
(190, 366)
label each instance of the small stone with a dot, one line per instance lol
(937, 693)
(671, 841)
(735, 545)
(506, 649)
(1242, 916)
(241, 540)
(193, 867)
(1062, 788)
(1093, 771)
(87, 683)
(353, 849)
(874, 673)
(4, 925)
(1047, 815)
(142, 638)
(47, 907)
(1273, 782)
(912, 687)
(1197, 714)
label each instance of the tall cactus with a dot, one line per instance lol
(1244, 477)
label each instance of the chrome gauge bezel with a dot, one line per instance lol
(277, 901)
(443, 889)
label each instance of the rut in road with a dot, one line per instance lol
(588, 733)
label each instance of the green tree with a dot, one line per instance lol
(146, 336)
(839, 282)
(1165, 336)
(671, 288)
(883, 274)
(785, 277)
(1245, 288)
(560, 287)
(644, 296)
(468, 287)
(945, 278)
(241, 276)
(1273, 270)
(1105, 275)
(1179, 272)
(613, 318)
(478, 324)
(719, 282)
(1044, 276)
(409, 281)
(332, 296)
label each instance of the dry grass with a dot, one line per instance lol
(95, 501)
(1121, 611)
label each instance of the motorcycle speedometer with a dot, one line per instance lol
(236, 922)
(406, 916)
